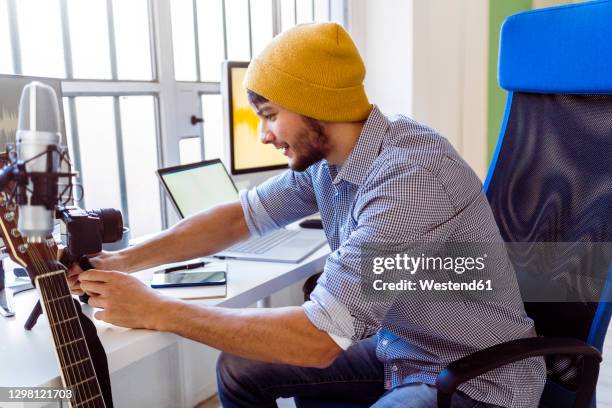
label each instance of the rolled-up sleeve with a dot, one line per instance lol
(338, 305)
(330, 315)
(278, 201)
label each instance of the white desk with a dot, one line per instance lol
(27, 358)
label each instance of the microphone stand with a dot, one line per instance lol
(16, 172)
(34, 315)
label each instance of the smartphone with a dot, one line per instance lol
(163, 279)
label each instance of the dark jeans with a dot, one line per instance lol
(356, 375)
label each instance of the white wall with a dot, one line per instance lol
(428, 59)
(382, 32)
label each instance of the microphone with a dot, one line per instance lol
(38, 153)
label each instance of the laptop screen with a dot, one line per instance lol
(196, 187)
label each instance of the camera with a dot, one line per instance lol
(84, 231)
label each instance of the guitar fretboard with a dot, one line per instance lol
(78, 372)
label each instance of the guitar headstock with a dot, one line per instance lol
(36, 257)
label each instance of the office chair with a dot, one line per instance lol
(551, 181)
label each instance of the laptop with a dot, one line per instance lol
(198, 186)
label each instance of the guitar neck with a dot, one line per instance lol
(77, 369)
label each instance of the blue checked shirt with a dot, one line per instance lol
(402, 183)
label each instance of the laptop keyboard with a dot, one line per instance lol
(265, 243)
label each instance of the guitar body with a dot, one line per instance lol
(79, 352)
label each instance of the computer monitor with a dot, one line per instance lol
(246, 153)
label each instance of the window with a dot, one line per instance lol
(213, 125)
(6, 55)
(89, 39)
(125, 65)
(133, 40)
(140, 152)
(234, 30)
(40, 38)
(190, 150)
(262, 20)
(183, 40)
(95, 118)
(211, 48)
(111, 126)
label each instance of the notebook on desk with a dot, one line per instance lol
(198, 186)
(196, 292)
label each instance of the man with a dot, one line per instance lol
(375, 180)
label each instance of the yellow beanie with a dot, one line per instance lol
(314, 70)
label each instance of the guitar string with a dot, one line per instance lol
(62, 331)
(79, 370)
(97, 389)
(54, 329)
(71, 307)
(58, 315)
(64, 314)
(43, 290)
(60, 285)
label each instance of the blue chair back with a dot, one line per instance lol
(550, 180)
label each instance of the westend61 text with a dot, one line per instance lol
(432, 285)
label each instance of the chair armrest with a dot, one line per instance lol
(482, 361)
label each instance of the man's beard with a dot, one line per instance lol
(311, 146)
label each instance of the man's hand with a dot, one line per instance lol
(125, 300)
(277, 335)
(103, 260)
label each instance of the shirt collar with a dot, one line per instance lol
(367, 148)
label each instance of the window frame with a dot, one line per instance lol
(163, 86)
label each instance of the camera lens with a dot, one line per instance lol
(112, 224)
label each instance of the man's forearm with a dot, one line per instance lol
(200, 235)
(277, 335)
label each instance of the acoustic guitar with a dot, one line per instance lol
(79, 352)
